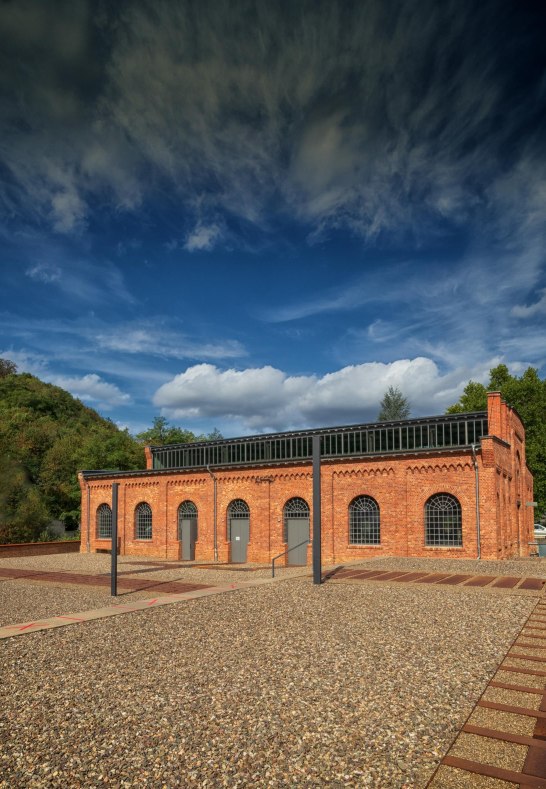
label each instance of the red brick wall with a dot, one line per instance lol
(400, 485)
(39, 548)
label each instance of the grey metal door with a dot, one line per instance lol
(298, 532)
(188, 530)
(240, 532)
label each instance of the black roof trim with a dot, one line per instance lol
(276, 463)
(326, 430)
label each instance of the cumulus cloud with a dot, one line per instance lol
(93, 389)
(266, 398)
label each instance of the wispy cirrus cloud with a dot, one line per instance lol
(147, 338)
(320, 128)
(91, 282)
(203, 238)
(531, 310)
(44, 272)
(108, 343)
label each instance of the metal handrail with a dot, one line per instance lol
(293, 548)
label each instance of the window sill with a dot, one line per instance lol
(443, 548)
(352, 547)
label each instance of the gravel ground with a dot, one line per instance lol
(22, 601)
(282, 685)
(100, 563)
(536, 568)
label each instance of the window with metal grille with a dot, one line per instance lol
(364, 521)
(186, 510)
(237, 509)
(294, 508)
(143, 522)
(443, 521)
(104, 522)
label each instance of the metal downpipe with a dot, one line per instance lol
(215, 504)
(88, 536)
(477, 478)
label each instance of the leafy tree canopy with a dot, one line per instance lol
(393, 405)
(527, 394)
(7, 367)
(162, 433)
(46, 437)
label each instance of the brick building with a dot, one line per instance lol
(454, 486)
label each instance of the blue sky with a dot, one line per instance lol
(258, 216)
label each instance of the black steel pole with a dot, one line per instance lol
(114, 570)
(317, 530)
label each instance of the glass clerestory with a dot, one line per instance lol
(449, 432)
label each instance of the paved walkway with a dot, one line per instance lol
(508, 582)
(198, 591)
(83, 579)
(503, 741)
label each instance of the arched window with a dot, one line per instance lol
(237, 509)
(443, 521)
(104, 522)
(364, 521)
(143, 522)
(187, 510)
(294, 508)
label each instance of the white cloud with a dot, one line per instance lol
(27, 361)
(532, 310)
(203, 238)
(81, 279)
(266, 398)
(93, 389)
(44, 272)
(324, 116)
(164, 342)
(68, 210)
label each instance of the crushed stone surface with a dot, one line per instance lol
(534, 567)
(281, 685)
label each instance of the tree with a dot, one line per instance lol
(394, 405)
(527, 394)
(46, 437)
(7, 367)
(474, 398)
(162, 433)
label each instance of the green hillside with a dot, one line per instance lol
(46, 436)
